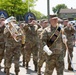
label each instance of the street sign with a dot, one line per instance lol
(3, 13)
(29, 15)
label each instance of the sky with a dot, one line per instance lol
(41, 5)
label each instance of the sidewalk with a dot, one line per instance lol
(31, 71)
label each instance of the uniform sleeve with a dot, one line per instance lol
(43, 37)
(73, 29)
(5, 30)
(70, 29)
(25, 28)
(64, 38)
(6, 36)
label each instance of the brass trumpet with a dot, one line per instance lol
(67, 26)
(13, 28)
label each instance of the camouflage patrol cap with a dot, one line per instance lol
(53, 17)
(42, 20)
(46, 21)
(65, 19)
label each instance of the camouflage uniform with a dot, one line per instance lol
(41, 53)
(70, 37)
(23, 44)
(12, 52)
(56, 60)
(31, 44)
(2, 44)
(23, 53)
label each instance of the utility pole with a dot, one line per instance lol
(48, 9)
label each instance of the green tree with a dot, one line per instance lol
(57, 8)
(38, 14)
(16, 7)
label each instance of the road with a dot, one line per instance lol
(31, 71)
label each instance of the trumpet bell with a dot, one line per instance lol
(13, 28)
(10, 19)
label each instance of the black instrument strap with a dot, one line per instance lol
(55, 36)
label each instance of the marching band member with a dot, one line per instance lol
(70, 30)
(41, 53)
(31, 42)
(2, 42)
(54, 46)
(13, 42)
(21, 25)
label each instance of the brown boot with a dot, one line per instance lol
(39, 71)
(0, 67)
(36, 67)
(35, 64)
(4, 70)
(23, 63)
(7, 72)
(70, 68)
(26, 65)
(16, 73)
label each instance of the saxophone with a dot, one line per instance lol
(14, 29)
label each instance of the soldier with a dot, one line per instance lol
(65, 22)
(2, 43)
(23, 44)
(54, 45)
(42, 55)
(12, 46)
(31, 43)
(70, 31)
